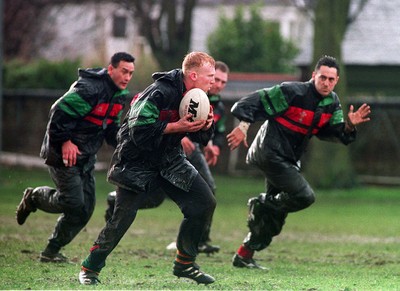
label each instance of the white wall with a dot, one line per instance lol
(86, 31)
(294, 24)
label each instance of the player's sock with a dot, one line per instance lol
(183, 259)
(245, 252)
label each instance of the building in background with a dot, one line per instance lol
(94, 31)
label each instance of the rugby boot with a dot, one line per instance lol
(52, 258)
(192, 271)
(88, 277)
(25, 207)
(208, 249)
(241, 262)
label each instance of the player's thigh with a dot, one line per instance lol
(198, 200)
(285, 176)
(68, 181)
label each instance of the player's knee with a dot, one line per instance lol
(79, 218)
(307, 198)
(204, 209)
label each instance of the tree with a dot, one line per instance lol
(331, 21)
(253, 45)
(22, 21)
(166, 25)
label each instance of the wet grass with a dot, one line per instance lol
(348, 240)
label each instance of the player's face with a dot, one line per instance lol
(205, 77)
(221, 78)
(325, 80)
(122, 74)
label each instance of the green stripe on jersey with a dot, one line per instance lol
(74, 105)
(121, 92)
(143, 113)
(337, 117)
(327, 100)
(274, 102)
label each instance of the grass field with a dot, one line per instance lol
(348, 240)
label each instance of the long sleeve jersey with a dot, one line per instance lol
(89, 113)
(293, 112)
(144, 152)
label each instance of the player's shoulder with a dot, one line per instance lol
(214, 98)
(296, 87)
(295, 84)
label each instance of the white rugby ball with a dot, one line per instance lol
(195, 102)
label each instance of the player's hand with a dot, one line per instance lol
(185, 124)
(210, 119)
(69, 153)
(360, 116)
(188, 146)
(211, 153)
(235, 138)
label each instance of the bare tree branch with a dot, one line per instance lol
(359, 8)
(166, 25)
(23, 20)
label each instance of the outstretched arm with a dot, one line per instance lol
(238, 135)
(357, 117)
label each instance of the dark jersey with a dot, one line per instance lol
(294, 112)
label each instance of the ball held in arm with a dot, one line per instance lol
(195, 102)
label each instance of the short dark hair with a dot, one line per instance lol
(219, 65)
(328, 61)
(121, 56)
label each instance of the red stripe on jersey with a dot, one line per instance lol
(325, 117)
(100, 109)
(300, 115)
(169, 115)
(290, 126)
(217, 117)
(115, 110)
(97, 121)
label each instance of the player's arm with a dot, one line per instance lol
(184, 125)
(238, 135)
(211, 153)
(69, 152)
(357, 117)
(70, 108)
(259, 105)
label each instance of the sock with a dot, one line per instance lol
(245, 252)
(88, 270)
(182, 259)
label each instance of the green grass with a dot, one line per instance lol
(348, 240)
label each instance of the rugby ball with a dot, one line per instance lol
(196, 102)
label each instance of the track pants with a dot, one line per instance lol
(286, 191)
(74, 197)
(155, 199)
(198, 160)
(197, 207)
